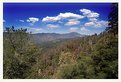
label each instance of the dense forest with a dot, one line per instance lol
(87, 57)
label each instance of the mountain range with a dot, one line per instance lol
(45, 37)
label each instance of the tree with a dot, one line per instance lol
(19, 53)
(113, 19)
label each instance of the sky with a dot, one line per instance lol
(84, 18)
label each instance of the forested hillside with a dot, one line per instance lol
(87, 57)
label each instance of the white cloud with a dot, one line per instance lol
(4, 21)
(72, 22)
(89, 24)
(62, 16)
(38, 29)
(52, 26)
(70, 15)
(93, 19)
(21, 20)
(73, 29)
(83, 29)
(34, 30)
(50, 19)
(32, 20)
(93, 15)
(103, 23)
(90, 14)
(97, 24)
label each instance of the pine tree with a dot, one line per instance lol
(113, 19)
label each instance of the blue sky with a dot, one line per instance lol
(84, 18)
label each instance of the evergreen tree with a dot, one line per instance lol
(113, 19)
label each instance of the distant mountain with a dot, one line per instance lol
(45, 37)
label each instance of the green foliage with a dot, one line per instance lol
(113, 19)
(67, 71)
(19, 53)
(106, 57)
(17, 70)
(91, 57)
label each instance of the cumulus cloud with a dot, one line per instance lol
(62, 16)
(50, 19)
(73, 29)
(72, 22)
(93, 19)
(32, 20)
(83, 29)
(69, 15)
(52, 26)
(21, 20)
(89, 24)
(88, 13)
(97, 24)
(103, 23)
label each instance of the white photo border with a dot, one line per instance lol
(59, 1)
